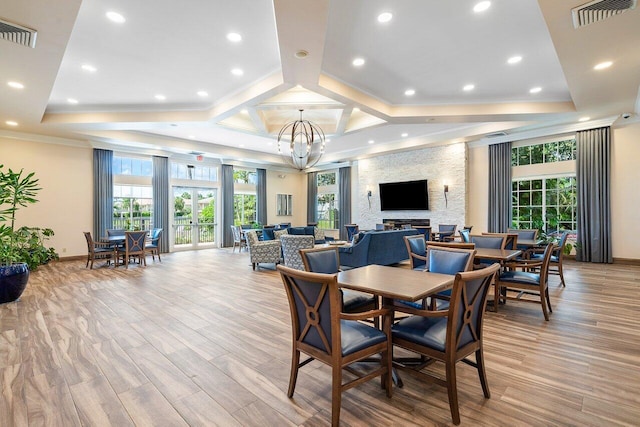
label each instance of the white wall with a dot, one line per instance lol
(66, 200)
(438, 165)
(294, 183)
(625, 191)
(478, 200)
(625, 195)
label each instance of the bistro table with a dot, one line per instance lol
(499, 255)
(393, 283)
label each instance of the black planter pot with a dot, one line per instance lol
(13, 280)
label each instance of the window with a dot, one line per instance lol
(556, 151)
(132, 207)
(327, 202)
(241, 176)
(547, 204)
(194, 172)
(244, 209)
(245, 200)
(132, 166)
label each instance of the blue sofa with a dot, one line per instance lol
(377, 247)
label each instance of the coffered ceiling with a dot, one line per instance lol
(169, 79)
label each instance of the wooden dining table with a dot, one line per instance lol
(498, 255)
(394, 282)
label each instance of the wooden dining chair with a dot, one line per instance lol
(450, 335)
(557, 255)
(525, 282)
(99, 250)
(134, 247)
(153, 243)
(325, 333)
(326, 260)
(417, 250)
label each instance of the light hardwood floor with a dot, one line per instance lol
(201, 339)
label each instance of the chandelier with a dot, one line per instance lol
(306, 145)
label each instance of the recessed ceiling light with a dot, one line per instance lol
(89, 68)
(356, 109)
(72, 100)
(160, 97)
(15, 85)
(203, 93)
(535, 89)
(371, 141)
(482, 6)
(583, 119)
(410, 92)
(514, 59)
(244, 111)
(404, 135)
(468, 87)
(358, 62)
(301, 54)
(11, 123)
(603, 65)
(385, 17)
(116, 17)
(234, 37)
(237, 72)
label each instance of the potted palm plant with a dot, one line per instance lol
(23, 248)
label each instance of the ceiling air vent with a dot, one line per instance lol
(598, 10)
(495, 135)
(17, 34)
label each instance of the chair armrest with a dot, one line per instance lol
(525, 263)
(365, 314)
(423, 313)
(424, 258)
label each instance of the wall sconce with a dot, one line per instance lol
(369, 198)
(446, 193)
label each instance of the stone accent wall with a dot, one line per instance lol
(447, 163)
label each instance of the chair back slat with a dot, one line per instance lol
(469, 299)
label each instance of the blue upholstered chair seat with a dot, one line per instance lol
(427, 331)
(522, 277)
(356, 336)
(352, 300)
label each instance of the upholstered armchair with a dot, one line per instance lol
(262, 250)
(291, 245)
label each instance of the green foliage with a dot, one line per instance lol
(24, 244)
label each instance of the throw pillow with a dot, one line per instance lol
(357, 237)
(278, 233)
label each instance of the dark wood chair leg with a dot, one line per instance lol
(295, 365)
(482, 373)
(336, 395)
(452, 389)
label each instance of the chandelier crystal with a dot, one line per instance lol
(306, 145)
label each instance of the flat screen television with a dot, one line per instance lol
(404, 196)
